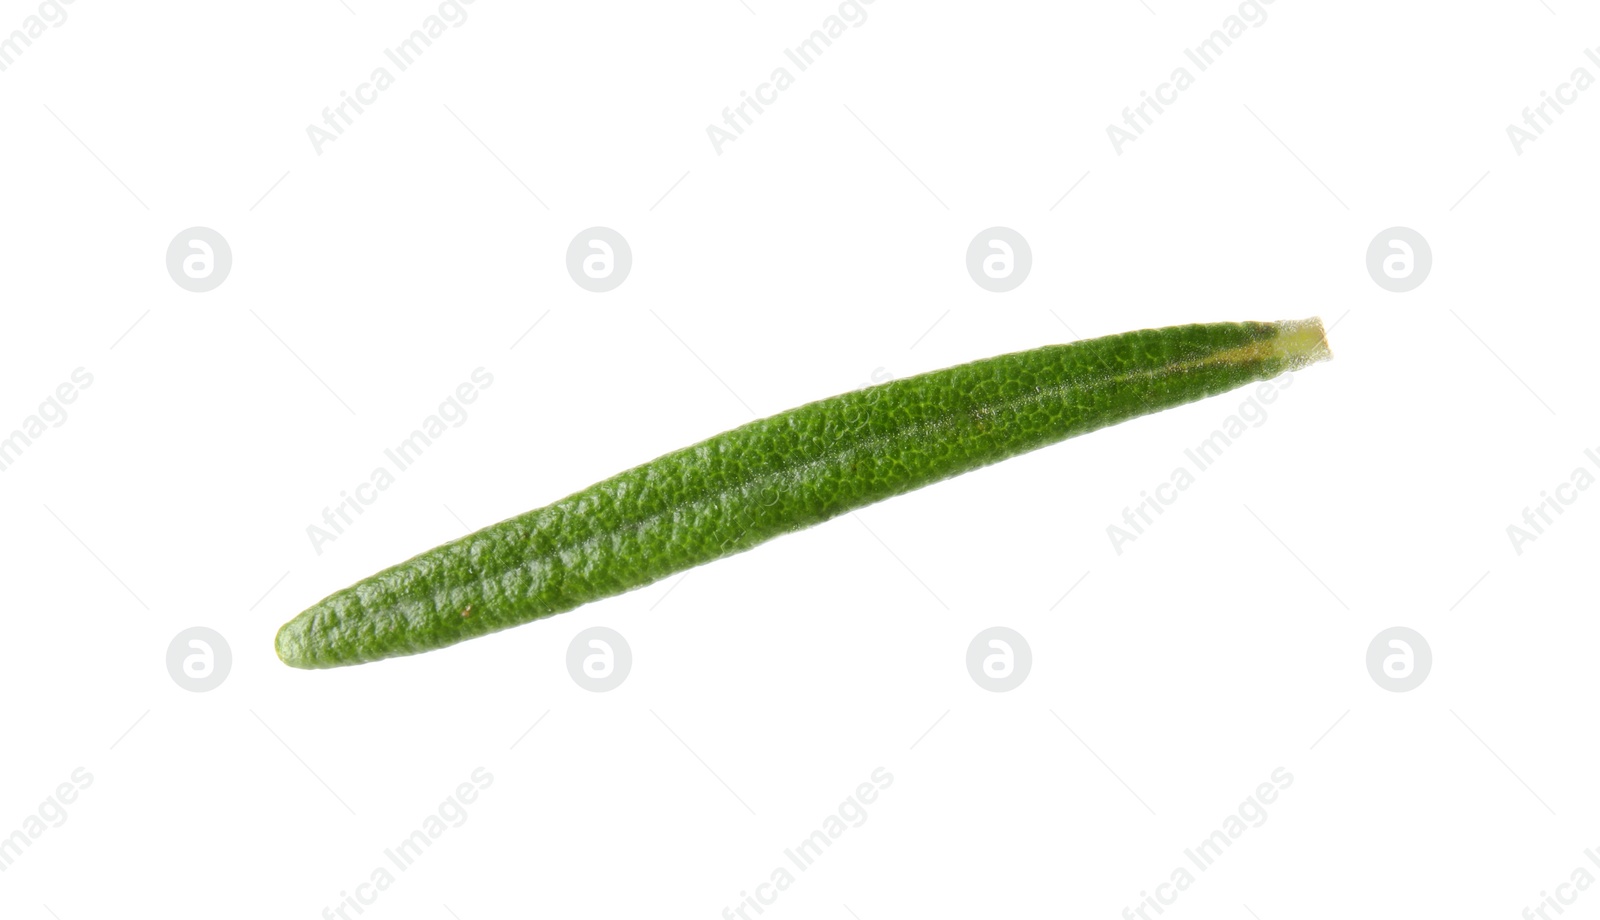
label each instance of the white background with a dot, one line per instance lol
(824, 246)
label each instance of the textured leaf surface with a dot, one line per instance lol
(779, 474)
